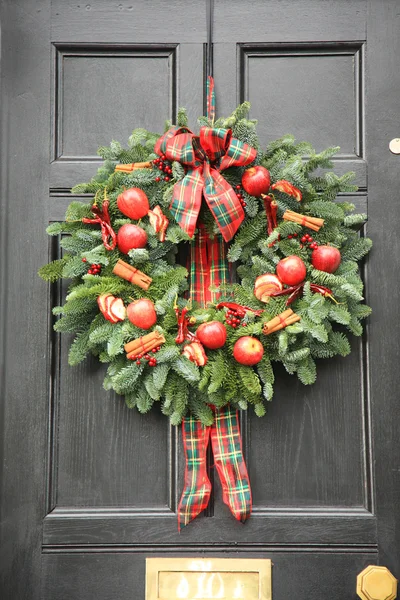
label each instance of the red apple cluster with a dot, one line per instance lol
(94, 269)
(239, 194)
(151, 360)
(308, 239)
(164, 166)
(234, 318)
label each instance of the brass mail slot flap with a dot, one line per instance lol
(207, 578)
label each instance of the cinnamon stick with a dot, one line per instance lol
(128, 168)
(288, 317)
(289, 321)
(313, 223)
(144, 344)
(129, 273)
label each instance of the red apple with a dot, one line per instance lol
(326, 258)
(142, 313)
(265, 285)
(212, 335)
(256, 180)
(133, 203)
(131, 236)
(248, 350)
(291, 270)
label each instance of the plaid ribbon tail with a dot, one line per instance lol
(208, 267)
(229, 461)
(197, 486)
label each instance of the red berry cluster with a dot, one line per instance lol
(150, 359)
(307, 239)
(94, 268)
(234, 318)
(239, 194)
(165, 167)
(292, 235)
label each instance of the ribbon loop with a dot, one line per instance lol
(205, 156)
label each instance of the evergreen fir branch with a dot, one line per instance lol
(238, 114)
(79, 348)
(131, 400)
(76, 211)
(265, 370)
(249, 384)
(125, 379)
(355, 326)
(201, 410)
(53, 270)
(116, 340)
(297, 355)
(268, 391)
(355, 220)
(307, 371)
(151, 388)
(167, 354)
(178, 172)
(287, 143)
(160, 374)
(356, 250)
(339, 314)
(218, 373)
(283, 341)
(139, 256)
(101, 333)
(186, 369)
(55, 228)
(138, 136)
(284, 229)
(182, 118)
(324, 210)
(339, 343)
(248, 233)
(144, 401)
(317, 331)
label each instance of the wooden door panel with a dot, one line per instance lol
(103, 91)
(87, 576)
(91, 488)
(310, 452)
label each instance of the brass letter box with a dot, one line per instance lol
(207, 578)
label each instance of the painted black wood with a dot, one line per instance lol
(90, 488)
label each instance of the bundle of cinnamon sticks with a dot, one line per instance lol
(144, 344)
(129, 273)
(288, 317)
(313, 223)
(128, 168)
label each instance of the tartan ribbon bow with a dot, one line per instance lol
(204, 156)
(229, 462)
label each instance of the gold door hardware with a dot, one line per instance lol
(207, 578)
(394, 145)
(376, 583)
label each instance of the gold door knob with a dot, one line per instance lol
(394, 146)
(376, 583)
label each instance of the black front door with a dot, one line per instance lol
(89, 488)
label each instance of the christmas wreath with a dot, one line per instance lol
(203, 260)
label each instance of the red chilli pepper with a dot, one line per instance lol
(102, 217)
(239, 308)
